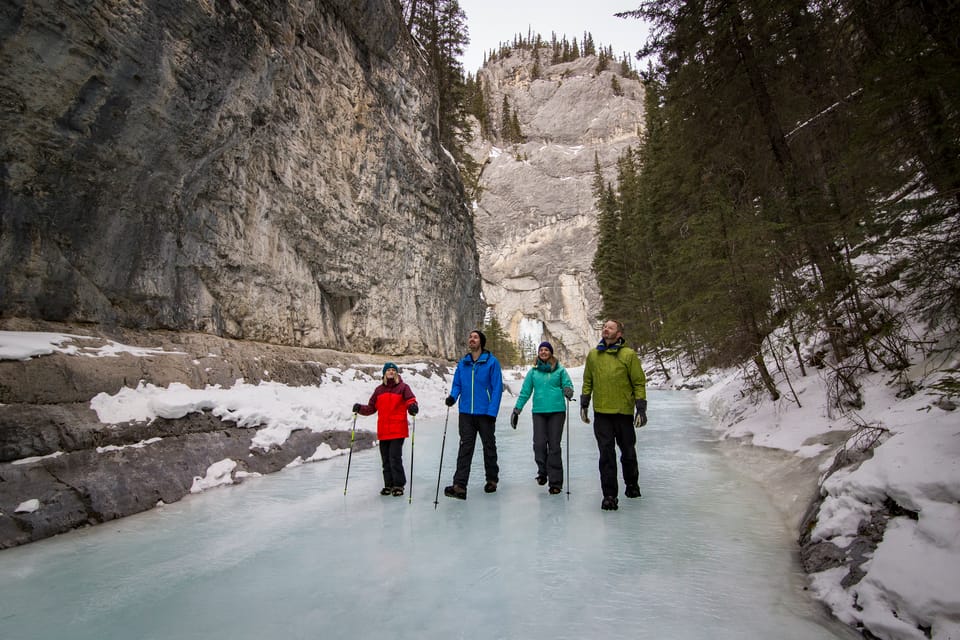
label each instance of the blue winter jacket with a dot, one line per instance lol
(478, 384)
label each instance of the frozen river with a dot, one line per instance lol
(703, 554)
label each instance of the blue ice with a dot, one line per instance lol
(703, 554)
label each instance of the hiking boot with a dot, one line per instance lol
(541, 480)
(554, 490)
(610, 503)
(455, 491)
(491, 486)
(386, 491)
(398, 491)
(632, 491)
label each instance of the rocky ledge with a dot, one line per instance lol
(61, 468)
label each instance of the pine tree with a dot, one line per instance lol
(516, 135)
(589, 48)
(528, 350)
(607, 261)
(440, 25)
(615, 86)
(602, 61)
(506, 130)
(476, 104)
(500, 344)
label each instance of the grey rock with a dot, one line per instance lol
(54, 449)
(536, 215)
(267, 171)
(946, 404)
(822, 556)
(87, 487)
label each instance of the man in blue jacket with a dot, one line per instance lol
(478, 383)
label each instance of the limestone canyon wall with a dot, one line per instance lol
(262, 169)
(536, 215)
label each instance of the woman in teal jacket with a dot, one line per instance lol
(550, 385)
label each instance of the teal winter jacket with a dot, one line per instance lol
(546, 383)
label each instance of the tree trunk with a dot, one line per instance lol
(663, 367)
(768, 382)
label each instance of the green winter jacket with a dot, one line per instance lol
(615, 379)
(546, 383)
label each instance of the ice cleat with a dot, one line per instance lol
(610, 503)
(632, 491)
(491, 486)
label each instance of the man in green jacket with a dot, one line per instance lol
(615, 379)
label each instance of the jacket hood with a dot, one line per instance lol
(469, 361)
(613, 348)
(546, 366)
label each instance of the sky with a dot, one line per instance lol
(491, 22)
(914, 570)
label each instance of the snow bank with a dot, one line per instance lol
(911, 586)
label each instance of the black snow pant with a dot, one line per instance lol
(616, 430)
(391, 455)
(547, 434)
(470, 426)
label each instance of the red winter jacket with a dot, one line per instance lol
(390, 402)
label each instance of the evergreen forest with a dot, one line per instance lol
(789, 144)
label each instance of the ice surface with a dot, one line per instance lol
(703, 554)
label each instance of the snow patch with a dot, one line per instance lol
(136, 445)
(219, 473)
(24, 345)
(55, 454)
(28, 506)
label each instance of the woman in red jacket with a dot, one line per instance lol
(391, 401)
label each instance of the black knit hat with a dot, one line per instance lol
(483, 338)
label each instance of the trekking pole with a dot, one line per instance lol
(413, 430)
(353, 430)
(443, 442)
(568, 449)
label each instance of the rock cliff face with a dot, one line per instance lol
(263, 170)
(536, 216)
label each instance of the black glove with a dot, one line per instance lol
(449, 401)
(568, 393)
(413, 409)
(356, 407)
(514, 417)
(641, 418)
(584, 401)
